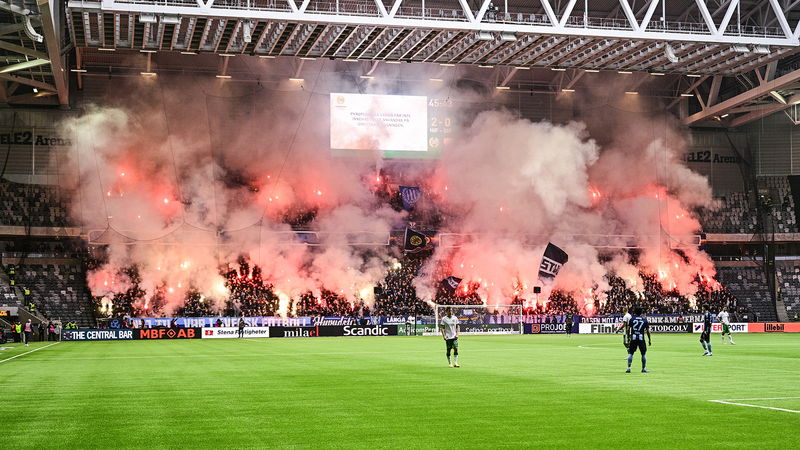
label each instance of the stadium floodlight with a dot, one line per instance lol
(447, 64)
(761, 50)
(106, 49)
(631, 92)
(508, 37)
(227, 55)
(30, 32)
(740, 48)
(147, 18)
(558, 69)
(502, 88)
(657, 74)
(693, 75)
(78, 70)
(669, 52)
(591, 70)
(170, 20)
(224, 77)
(188, 53)
(624, 72)
(147, 51)
(435, 79)
(295, 79)
(485, 66)
(266, 56)
(685, 94)
(247, 32)
(485, 36)
(350, 60)
(480, 319)
(777, 96)
(393, 62)
(567, 90)
(367, 77)
(149, 74)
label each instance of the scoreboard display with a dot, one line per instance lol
(396, 126)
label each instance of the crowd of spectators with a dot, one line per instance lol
(396, 295)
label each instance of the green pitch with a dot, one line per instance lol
(511, 391)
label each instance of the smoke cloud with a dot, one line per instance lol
(182, 184)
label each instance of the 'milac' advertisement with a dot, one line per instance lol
(333, 331)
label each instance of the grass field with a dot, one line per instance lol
(511, 391)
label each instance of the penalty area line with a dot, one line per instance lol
(759, 406)
(26, 353)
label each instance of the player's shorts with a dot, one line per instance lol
(637, 344)
(705, 336)
(726, 328)
(452, 343)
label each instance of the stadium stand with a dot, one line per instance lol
(59, 291)
(736, 212)
(789, 282)
(31, 205)
(749, 285)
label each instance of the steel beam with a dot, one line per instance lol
(54, 52)
(752, 94)
(556, 27)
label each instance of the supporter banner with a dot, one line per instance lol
(333, 331)
(780, 327)
(233, 332)
(168, 333)
(737, 327)
(267, 321)
(545, 328)
(652, 318)
(201, 322)
(97, 335)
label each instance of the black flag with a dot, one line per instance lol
(415, 241)
(450, 284)
(552, 261)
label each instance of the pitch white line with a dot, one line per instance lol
(761, 398)
(23, 354)
(755, 406)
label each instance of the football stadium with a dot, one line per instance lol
(399, 223)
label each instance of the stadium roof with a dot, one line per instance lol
(29, 47)
(736, 58)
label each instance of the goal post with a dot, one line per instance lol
(484, 319)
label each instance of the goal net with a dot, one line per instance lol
(480, 319)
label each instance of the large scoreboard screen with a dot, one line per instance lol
(398, 126)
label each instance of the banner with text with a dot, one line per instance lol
(233, 332)
(737, 327)
(333, 331)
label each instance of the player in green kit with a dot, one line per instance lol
(449, 327)
(724, 318)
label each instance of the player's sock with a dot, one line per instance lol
(644, 362)
(630, 360)
(709, 347)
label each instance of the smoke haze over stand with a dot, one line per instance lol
(212, 170)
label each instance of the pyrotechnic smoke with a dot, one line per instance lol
(180, 188)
